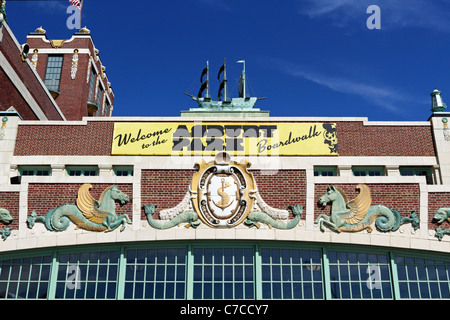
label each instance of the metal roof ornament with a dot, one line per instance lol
(241, 103)
(437, 105)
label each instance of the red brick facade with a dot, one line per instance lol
(93, 139)
(166, 188)
(281, 189)
(10, 96)
(74, 93)
(354, 139)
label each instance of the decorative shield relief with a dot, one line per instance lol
(220, 191)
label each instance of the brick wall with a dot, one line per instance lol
(10, 202)
(283, 188)
(94, 139)
(164, 188)
(437, 200)
(29, 79)
(11, 97)
(73, 92)
(43, 197)
(354, 139)
(402, 197)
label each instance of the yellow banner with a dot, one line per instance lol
(209, 138)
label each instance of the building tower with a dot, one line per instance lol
(73, 73)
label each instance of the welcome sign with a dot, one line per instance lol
(235, 138)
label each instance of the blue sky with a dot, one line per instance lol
(308, 57)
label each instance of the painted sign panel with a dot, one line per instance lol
(236, 138)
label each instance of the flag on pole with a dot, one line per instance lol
(75, 3)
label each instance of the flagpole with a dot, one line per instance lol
(81, 12)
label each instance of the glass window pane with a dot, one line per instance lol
(24, 278)
(88, 275)
(291, 274)
(223, 273)
(424, 279)
(158, 273)
(53, 72)
(360, 276)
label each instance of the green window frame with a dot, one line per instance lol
(87, 275)
(52, 78)
(25, 277)
(123, 171)
(223, 273)
(291, 273)
(422, 278)
(359, 275)
(320, 171)
(371, 171)
(218, 270)
(99, 100)
(83, 171)
(417, 171)
(92, 84)
(35, 170)
(155, 273)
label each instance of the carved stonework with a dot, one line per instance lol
(34, 59)
(359, 214)
(74, 68)
(443, 214)
(446, 129)
(88, 213)
(88, 75)
(5, 217)
(223, 194)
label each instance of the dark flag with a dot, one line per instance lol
(222, 68)
(222, 84)
(205, 71)
(241, 88)
(203, 87)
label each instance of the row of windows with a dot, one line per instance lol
(225, 271)
(375, 171)
(128, 171)
(75, 171)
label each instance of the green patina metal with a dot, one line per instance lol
(255, 217)
(100, 217)
(437, 105)
(189, 217)
(5, 217)
(441, 215)
(223, 105)
(359, 214)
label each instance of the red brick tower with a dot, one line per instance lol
(73, 73)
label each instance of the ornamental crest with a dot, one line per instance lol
(223, 194)
(220, 191)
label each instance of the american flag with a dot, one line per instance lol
(76, 3)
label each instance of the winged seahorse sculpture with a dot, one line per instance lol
(358, 214)
(88, 213)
